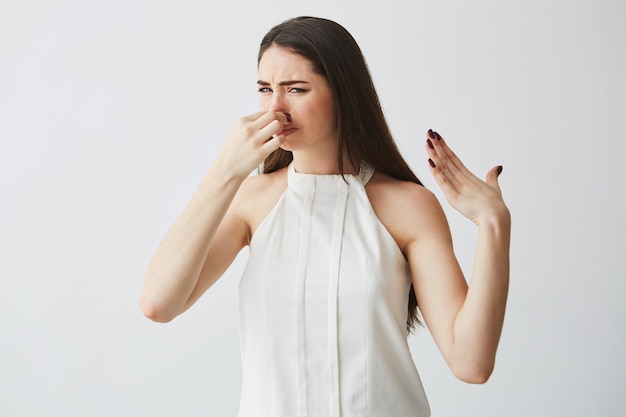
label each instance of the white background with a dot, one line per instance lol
(110, 113)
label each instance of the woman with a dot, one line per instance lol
(341, 235)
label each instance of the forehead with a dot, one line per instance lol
(281, 63)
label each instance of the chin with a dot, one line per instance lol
(288, 145)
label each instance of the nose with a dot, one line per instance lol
(277, 103)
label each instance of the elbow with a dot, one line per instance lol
(476, 374)
(155, 312)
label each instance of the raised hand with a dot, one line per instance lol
(475, 199)
(251, 139)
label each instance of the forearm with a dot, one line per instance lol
(478, 325)
(175, 267)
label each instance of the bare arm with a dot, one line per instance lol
(466, 322)
(210, 231)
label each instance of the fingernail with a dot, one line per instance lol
(437, 135)
(432, 164)
(431, 134)
(288, 116)
(499, 169)
(430, 144)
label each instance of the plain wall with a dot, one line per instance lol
(111, 112)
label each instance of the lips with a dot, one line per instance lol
(288, 131)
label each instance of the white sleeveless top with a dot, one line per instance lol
(323, 308)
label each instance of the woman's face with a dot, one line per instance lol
(288, 84)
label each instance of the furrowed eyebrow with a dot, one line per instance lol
(282, 83)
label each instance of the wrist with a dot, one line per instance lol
(227, 172)
(498, 218)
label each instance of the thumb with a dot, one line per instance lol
(492, 176)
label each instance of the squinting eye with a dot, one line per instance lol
(264, 90)
(297, 90)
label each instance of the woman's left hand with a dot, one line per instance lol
(472, 197)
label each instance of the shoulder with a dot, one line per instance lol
(408, 210)
(403, 197)
(257, 196)
(388, 186)
(259, 184)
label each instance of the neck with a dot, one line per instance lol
(322, 164)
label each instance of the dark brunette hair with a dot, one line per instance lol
(363, 131)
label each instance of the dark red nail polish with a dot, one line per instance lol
(499, 169)
(431, 134)
(288, 116)
(432, 164)
(430, 144)
(437, 136)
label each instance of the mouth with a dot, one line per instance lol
(288, 131)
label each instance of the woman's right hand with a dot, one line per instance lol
(251, 139)
(207, 236)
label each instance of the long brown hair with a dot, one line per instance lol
(363, 131)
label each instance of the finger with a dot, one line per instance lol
(438, 168)
(272, 144)
(254, 116)
(446, 154)
(450, 164)
(440, 154)
(265, 118)
(271, 129)
(269, 124)
(448, 187)
(443, 159)
(492, 176)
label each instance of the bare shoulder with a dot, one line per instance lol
(259, 184)
(257, 196)
(408, 210)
